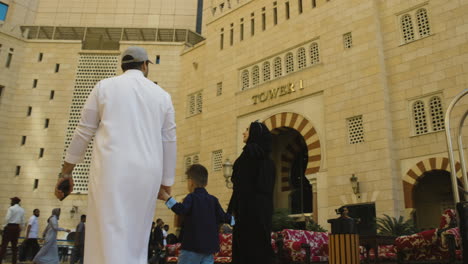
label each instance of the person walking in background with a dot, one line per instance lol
(134, 156)
(48, 254)
(14, 222)
(203, 214)
(251, 202)
(30, 245)
(78, 249)
(151, 242)
(165, 232)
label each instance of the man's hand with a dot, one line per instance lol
(164, 192)
(59, 193)
(67, 169)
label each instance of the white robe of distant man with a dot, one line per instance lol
(134, 152)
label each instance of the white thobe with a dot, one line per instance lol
(134, 153)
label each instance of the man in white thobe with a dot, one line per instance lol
(134, 155)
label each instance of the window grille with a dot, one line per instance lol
(199, 103)
(301, 58)
(423, 23)
(195, 159)
(407, 28)
(217, 160)
(278, 69)
(189, 160)
(219, 89)
(266, 71)
(255, 75)
(348, 40)
(437, 114)
(355, 130)
(289, 61)
(245, 80)
(314, 53)
(191, 104)
(195, 103)
(91, 69)
(419, 116)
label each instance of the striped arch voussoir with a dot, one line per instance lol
(412, 175)
(306, 129)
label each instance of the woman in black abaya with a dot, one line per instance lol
(251, 203)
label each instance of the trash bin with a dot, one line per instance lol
(343, 243)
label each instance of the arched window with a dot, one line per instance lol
(423, 22)
(301, 58)
(314, 53)
(407, 28)
(245, 80)
(255, 75)
(437, 114)
(289, 61)
(266, 71)
(278, 68)
(419, 118)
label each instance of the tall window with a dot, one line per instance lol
(314, 53)
(355, 130)
(241, 30)
(245, 80)
(301, 58)
(3, 11)
(255, 75)
(263, 20)
(221, 39)
(423, 22)
(231, 35)
(217, 160)
(252, 25)
(278, 68)
(275, 14)
(286, 9)
(299, 6)
(266, 71)
(289, 61)
(348, 40)
(437, 114)
(219, 88)
(419, 115)
(407, 28)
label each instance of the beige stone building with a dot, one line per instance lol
(348, 87)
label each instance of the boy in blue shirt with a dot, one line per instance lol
(202, 216)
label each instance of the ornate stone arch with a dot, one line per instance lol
(412, 175)
(308, 132)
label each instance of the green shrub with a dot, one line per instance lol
(390, 226)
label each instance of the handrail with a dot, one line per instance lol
(453, 173)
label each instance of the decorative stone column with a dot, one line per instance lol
(313, 182)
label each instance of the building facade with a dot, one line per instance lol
(350, 89)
